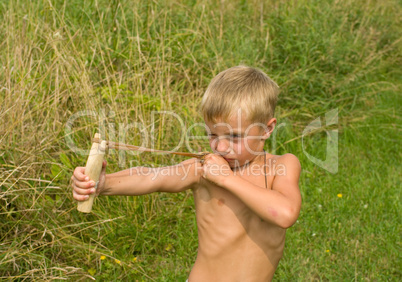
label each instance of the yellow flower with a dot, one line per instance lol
(135, 259)
(102, 257)
(169, 247)
(327, 251)
(92, 271)
(339, 195)
(117, 261)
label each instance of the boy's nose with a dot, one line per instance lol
(222, 146)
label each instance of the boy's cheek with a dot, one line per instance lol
(251, 145)
(212, 144)
(240, 148)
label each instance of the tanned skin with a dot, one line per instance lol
(241, 222)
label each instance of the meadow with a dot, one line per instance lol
(71, 68)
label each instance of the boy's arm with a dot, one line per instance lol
(281, 205)
(143, 180)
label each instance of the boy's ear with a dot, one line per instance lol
(269, 129)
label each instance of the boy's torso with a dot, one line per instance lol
(234, 243)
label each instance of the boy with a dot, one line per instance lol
(244, 198)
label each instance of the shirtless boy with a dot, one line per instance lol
(245, 198)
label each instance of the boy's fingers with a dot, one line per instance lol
(79, 197)
(80, 191)
(84, 184)
(79, 173)
(103, 167)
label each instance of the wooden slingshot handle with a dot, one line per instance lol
(93, 169)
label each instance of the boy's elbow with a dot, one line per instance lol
(289, 217)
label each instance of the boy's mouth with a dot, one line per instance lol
(228, 159)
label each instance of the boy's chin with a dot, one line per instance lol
(236, 164)
(233, 164)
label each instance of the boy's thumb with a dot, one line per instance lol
(104, 163)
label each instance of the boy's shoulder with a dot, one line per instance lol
(287, 165)
(287, 158)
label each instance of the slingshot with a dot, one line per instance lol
(93, 166)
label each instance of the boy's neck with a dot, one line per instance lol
(258, 160)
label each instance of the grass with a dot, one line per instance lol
(122, 60)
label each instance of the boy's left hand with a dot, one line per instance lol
(216, 168)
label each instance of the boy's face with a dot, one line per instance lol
(237, 140)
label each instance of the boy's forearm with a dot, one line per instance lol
(270, 205)
(144, 180)
(129, 182)
(125, 172)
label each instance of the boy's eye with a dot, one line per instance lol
(235, 136)
(227, 136)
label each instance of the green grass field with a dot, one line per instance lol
(121, 60)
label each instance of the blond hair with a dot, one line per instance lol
(241, 87)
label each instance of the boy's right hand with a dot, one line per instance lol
(83, 186)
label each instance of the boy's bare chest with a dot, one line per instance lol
(224, 221)
(222, 202)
